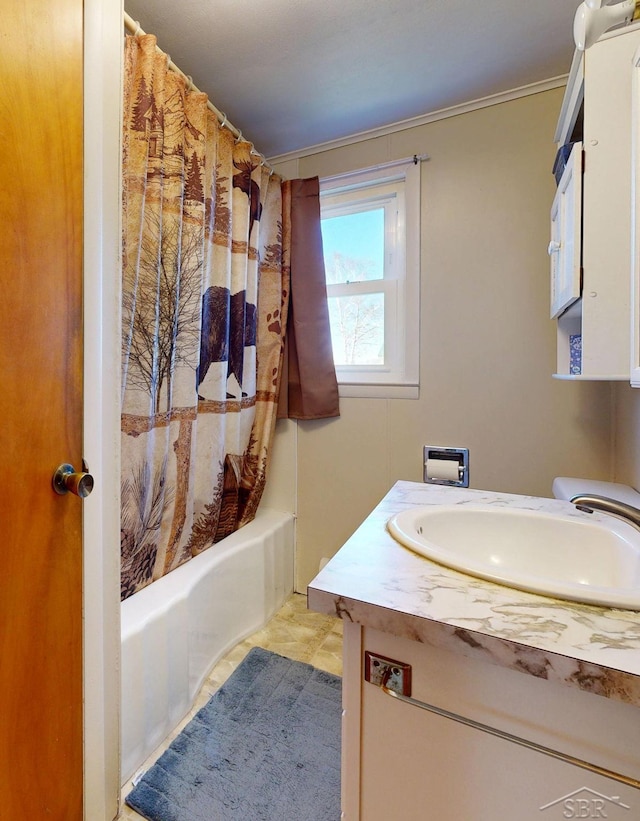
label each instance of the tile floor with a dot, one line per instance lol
(294, 632)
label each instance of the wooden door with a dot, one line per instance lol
(41, 756)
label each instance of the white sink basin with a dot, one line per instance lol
(574, 557)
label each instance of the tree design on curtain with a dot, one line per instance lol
(163, 309)
(145, 500)
(204, 304)
(193, 189)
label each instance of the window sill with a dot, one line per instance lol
(353, 391)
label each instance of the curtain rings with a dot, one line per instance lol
(223, 122)
(265, 164)
(138, 29)
(239, 138)
(189, 84)
(263, 161)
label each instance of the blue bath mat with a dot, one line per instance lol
(266, 747)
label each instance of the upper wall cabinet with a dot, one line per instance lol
(566, 235)
(591, 257)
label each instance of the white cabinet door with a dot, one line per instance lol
(566, 235)
(406, 764)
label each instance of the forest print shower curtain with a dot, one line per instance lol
(204, 304)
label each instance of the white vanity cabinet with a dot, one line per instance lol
(402, 762)
(553, 673)
(597, 111)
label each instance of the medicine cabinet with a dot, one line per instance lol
(566, 233)
(591, 237)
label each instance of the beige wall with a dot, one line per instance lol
(487, 344)
(627, 435)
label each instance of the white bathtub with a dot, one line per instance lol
(176, 629)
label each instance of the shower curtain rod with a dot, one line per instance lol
(134, 28)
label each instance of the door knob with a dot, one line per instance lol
(66, 480)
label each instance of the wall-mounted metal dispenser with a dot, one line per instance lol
(446, 466)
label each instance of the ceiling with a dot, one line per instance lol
(291, 74)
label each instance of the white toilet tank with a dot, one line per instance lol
(566, 487)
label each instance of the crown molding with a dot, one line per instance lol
(423, 119)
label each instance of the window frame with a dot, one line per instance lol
(348, 193)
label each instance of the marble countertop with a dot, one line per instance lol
(378, 583)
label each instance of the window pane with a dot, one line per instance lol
(357, 329)
(354, 246)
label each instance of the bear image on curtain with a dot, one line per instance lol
(250, 187)
(228, 326)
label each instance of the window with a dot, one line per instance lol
(370, 234)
